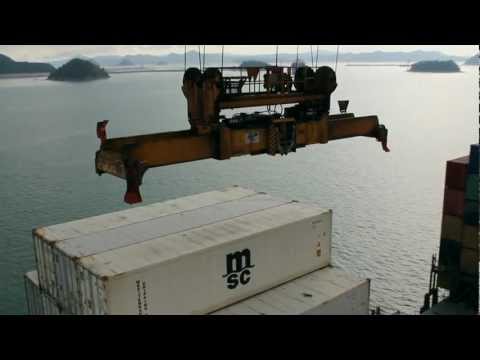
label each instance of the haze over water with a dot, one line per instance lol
(386, 206)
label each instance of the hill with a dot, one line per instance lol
(214, 59)
(78, 70)
(474, 60)
(10, 66)
(126, 62)
(435, 66)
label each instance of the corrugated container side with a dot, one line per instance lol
(69, 291)
(30, 296)
(38, 301)
(52, 259)
(76, 288)
(91, 300)
(49, 284)
(40, 260)
(49, 306)
(95, 300)
(60, 283)
(33, 295)
(83, 289)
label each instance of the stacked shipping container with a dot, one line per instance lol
(459, 244)
(324, 292)
(191, 255)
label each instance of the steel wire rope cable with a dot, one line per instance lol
(204, 57)
(336, 60)
(276, 64)
(223, 46)
(185, 59)
(311, 53)
(276, 57)
(296, 62)
(200, 57)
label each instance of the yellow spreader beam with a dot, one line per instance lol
(129, 157)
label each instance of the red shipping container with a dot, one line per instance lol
(456, 174)
(453, 202)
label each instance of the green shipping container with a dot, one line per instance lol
(471, 191)
(469, 261)
(470, 238)
(470, 215)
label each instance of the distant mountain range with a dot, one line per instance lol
(214, 59)
(10, 66)
(474, 60)
(117, 60)
(125, 62)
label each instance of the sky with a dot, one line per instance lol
(52, 52)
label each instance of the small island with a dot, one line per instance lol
(10, 66)
(448, 66)
(254, 63)
(78, 70)
(474, 60)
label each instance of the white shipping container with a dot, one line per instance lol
(183, 256)
(328, 291)
(38, 302)
(46, 237)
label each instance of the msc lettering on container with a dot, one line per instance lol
(238, 265)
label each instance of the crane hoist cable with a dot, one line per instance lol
(204, 57)
(185, 58)
(276, 57)
(296, 62)
(200, 56)
(311, 53)
(336, 60)
(222, 58)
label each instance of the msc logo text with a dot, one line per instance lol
(238, 272)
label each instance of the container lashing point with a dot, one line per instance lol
(102, 131)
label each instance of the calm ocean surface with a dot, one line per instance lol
(386, 206)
